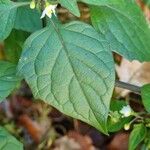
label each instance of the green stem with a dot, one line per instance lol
(20, 4)
(42, 9)
(128, 86)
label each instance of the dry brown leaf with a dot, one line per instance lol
(66, 143)
(133, 72)
(145, 9)
(119, 142)
(32, 127)
(74, 141)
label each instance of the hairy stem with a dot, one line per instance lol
(128, 86)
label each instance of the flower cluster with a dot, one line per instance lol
(48, 11)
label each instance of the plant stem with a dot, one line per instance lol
(20, 4)
(128, 86)
(42, 9)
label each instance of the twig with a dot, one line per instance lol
(128, 86)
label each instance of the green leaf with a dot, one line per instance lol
(28, 19)
(145, 93)
(147, 2)
(116, 105)
(8, 10)
(71, 5)
(8, 142)
(13, 45)
(124, 26)
(70, 67)
(137, 136)
(100, 2)
(7, 18)
(8, 79)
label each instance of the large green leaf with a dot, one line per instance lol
(145, 93)
(137, 136)
(8, 10)
(8, 79)
(71, 5)
(70, 67)
(124, 27)
(8, 142)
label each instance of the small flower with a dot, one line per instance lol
(32, 4)
(126, 111)
(49, 10)
(127, 126)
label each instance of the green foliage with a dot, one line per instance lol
(7, 17)
(101, 2)
(147, 2)
(57, 71)
(71, 5)
(8, 79)
(145, 93)
(28, 19)
(116, 125)
(71, 66)
(8, 142)
(8, 11)
(14, 44)
(124, 27)
(137, 136)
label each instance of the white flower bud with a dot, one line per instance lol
(32, 4)
(127, 127)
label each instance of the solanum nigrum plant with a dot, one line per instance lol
(70, 66)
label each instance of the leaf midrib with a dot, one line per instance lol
(65, 48)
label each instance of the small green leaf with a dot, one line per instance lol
(145, 93)
(147, 2)
(7, 18)
(8, 142)
(100, 2)
(116, 105)
(71, 5)
(137, 136)
(28, 19)
(70, 67)
(13, 45)
(8, 79)
(8, 11)
(123, 25)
